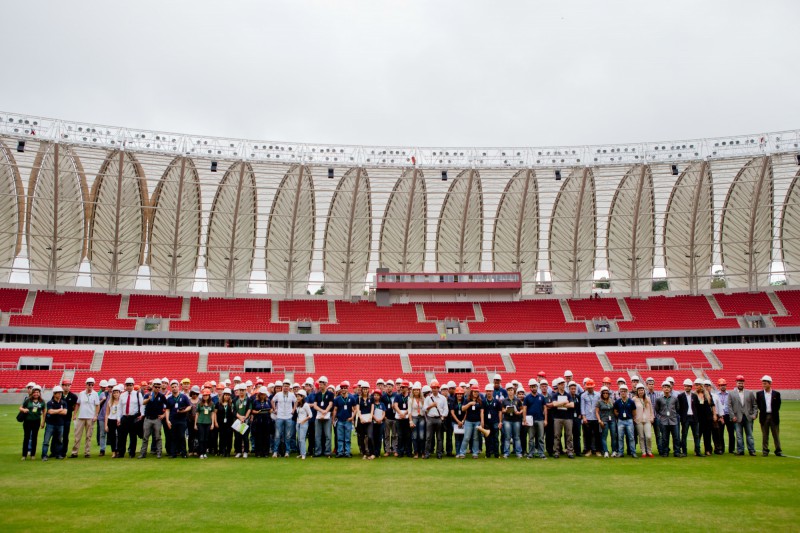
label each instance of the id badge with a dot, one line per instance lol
(346, 407)
(667, 413)
(624, 415)
(473, 407)
(489, 416)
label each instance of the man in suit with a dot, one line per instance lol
(688, 404)
(742, 410)
(769, 406)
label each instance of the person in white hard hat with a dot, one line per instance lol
(624, 409)
(535, 418)
(32, 410)
(643, 417)
(100, 428)
(55, 413)
(390, 422)
(344, 409)
(562, 404)
(322, 403)
(225, 416)
(179, 406)
(283, 405)
(260, 410)
(304, 420)
(607, 419)
(132, 405)
(705, 415)
(768, 401)
(436, 412)
(88, 407)
(666, 411)
(473, 407)
(364, 414)
(400, 404)
(416, 419)
(155, 406)
(498, 392)
(687, 409)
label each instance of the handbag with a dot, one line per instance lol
(20, 416)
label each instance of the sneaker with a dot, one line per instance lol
(587, 454)
(287, 455)
(302, 457)
(44, 458)
(605, 455)
(275, 455)
(238, 455)
(613, 455)
(244, 455)
(599, 454)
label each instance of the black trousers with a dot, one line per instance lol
(690, 422)
(127, 428)
(730, 427)
(492, 442)
(112, 436)
(203, 438)
(30, 436)
(404, 438)
(576, 434)
(591, 437)
(225, 437)
(178, 436)
(549, 435)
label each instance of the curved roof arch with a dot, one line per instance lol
(402, 241)
(460, 232)
(790, 231)
(12, 194)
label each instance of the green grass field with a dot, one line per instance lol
(742, 493)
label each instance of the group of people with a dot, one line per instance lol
(401, 419)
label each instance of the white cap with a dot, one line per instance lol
(302, 393)
(323, 378)
(262, 390)
(417, 385)
(57, 388)
(635, 378)
(380, 382)
(248, 383)
(237, 378)
(708, 382)
(103, 383)
(766, 378)
(119, 387)
(426, 388)
(532, 381)
(451, 384)
(567, 373)
(687, 381)
(496, 376)
(473, 382)
(604, 388)
(226, 390)
(489, 387)
(89, 380)
(666, 383)
(698, 381)
(130, 381)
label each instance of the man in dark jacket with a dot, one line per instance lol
(769, 406)
(688, 405)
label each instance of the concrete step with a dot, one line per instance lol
(420, 313)
(68, 374)
(567, 311)
(185, 308)
(716, 364)
(405, 362)
(623, 306)
(429, 376)
(478, 310)
(715, 306)
(777, 304)
(97, 361)
(510, 366)
(5, 319)
(274, 316)
(606, 364)
(124, 303)
(700, 373)
(332, 312)
(30, 300)
(202, 361)
(310, 367)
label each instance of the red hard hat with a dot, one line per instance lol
(377, 391)
(459, 390)
(721, 381)
(542, 374)
(740, 378)
(606, 379)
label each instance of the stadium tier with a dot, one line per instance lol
(12, 300)
(638, 360)
(524, 316)
(234, 362)
(791, 301)
(312, 310)
(151, 305)
(74, 310)
(218, 314)
(462, 311)
(745, 303)
(369, 367)
(366, 317)
(587, 309)
(675, 312)
(437, 362)
(782, 364)
(148, 365)
(528, 365)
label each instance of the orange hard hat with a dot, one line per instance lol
(459, 390)
(206, 391)
(721, 381)
(590, 382)
(606, 379)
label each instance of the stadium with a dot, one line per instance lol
(134, 258)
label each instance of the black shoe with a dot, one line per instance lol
(765, 454)
(779, 454)
(571, 455)
(738, 453)
(73, 456)
(752, 454)
(438, 456)
(173, 456)
(555, 456)
(102, 453)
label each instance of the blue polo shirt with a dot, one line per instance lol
(177, 403)
(387, 400)
(535, 405)
(500, 392)
(559, 412)
(155, 406)
(624, 409)
(491, 411)
(55, 420)
(401, 401)
(344, 407)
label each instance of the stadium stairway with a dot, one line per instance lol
(777, 304)
(567, 311)
(405, 362)
(716, 364)
(202, 361)
(715, 306)
(510, 366)
(310, 366)
(97, 360)
(604, 361)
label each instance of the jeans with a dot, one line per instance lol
(687, 423)
(101, 435)
(625, 431)
(302, 431)
(644, 431)
(470, 437)
(609, 427)
(54, 432)
(322, 433)
(418, 434)
(745, 425)
(663, 446)
(511, 431)
(433, 436)
(292, 443)
(344, 430)
(282, 431)
(536, 439)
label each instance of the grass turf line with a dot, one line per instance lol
(745, 493)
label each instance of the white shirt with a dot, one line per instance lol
(284, 403)
(302, 412)
(689, 402)
(768, 400)
(87, 404)
(114, 412)
(441, 405)
(136, 407)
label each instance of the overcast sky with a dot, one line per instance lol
(488, 73)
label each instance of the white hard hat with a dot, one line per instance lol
(237, 378)
(496, 376)
(262, 390)
(509, 385)
(426, 388)
(37, 387)
(604, 388)
(473, 382)
(489, 387)
(543, 382)
(516, 383)
(687, 381)
(571, 383)
(639, 386)
(623, 386)
(766, 378)
(309, 381)
(451, 384)
(226, 390)
(698, 381)
(248, 383)
(174, 382)
(417, 385)
(389, 382)
(666, 384)
(90, 380)
(295, 384)
(302, 393)
(708, 382)
(103, 383)
(635, 378)
(567, 373)
(195, 389)
(119, 387)
(462, 385)
(671, 379)
(240, 386)
(112, 382)
(364, 384)
(157, 381)
(227, 381)
(57, 388)
(532, 381)
(323, 379)
(130, 381)
(30, 384)
(380, 382)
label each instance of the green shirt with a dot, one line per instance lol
(35, 409)
(204, 413)
(242, 406)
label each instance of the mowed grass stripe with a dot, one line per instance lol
(745, 493)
